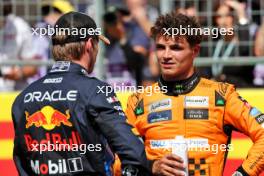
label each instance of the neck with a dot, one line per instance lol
(80, 63)
(83, 61)
(182, 86)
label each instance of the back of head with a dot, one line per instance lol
(71, 32)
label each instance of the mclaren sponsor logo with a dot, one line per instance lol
(159, 116)
(260, 119)
(157, 144)
(254, 112)
(160, 105)
(219, 100)
(196, 101)
(195, 114)
(168, 143)
(139, 108)
(57, 95)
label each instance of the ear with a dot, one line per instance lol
(89, 44)
(196, 50)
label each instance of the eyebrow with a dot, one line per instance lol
(173, 45)
(158, 44)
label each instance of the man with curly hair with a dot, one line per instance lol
(201, 111)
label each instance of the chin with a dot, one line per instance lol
(168, 75)
(168, 72)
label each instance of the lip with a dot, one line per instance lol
(167, 65)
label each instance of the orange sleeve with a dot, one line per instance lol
(117, 167)
(248, 120)
(130, 112)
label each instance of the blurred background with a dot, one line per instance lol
(130, 60)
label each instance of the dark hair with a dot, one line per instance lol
(217, 7)
(187, 4)
(47, 9)
(110, 18)
(177, 20)
(67, 51)
(8, 7)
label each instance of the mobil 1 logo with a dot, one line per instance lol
(56, 167)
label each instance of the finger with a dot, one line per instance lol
(172, 171)
(174, 157)
(165, 173)
(174, 164)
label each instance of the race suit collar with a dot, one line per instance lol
(180, 87)
(67, 66)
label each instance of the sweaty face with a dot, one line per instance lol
(175, 57)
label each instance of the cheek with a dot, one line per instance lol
(220, 21)
(182, 56)
(229, 21)
(159, 55)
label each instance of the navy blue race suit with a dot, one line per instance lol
(66, 124)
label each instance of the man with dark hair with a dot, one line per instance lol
(128, 51)
(201, 112)
(17, 43)
(65, 123)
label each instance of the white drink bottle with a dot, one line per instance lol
(180, 148)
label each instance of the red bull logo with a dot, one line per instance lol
(48, 118)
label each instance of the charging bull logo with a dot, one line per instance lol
(48, 118)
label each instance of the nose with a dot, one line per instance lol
(167, 53)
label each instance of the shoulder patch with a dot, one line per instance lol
(219, 100)
(222, 88)
(139, 108)
(245, 102)
(133, 100)
(135, 97)
(254, 112)
(260, 119)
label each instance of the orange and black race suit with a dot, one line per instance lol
(203, 111)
